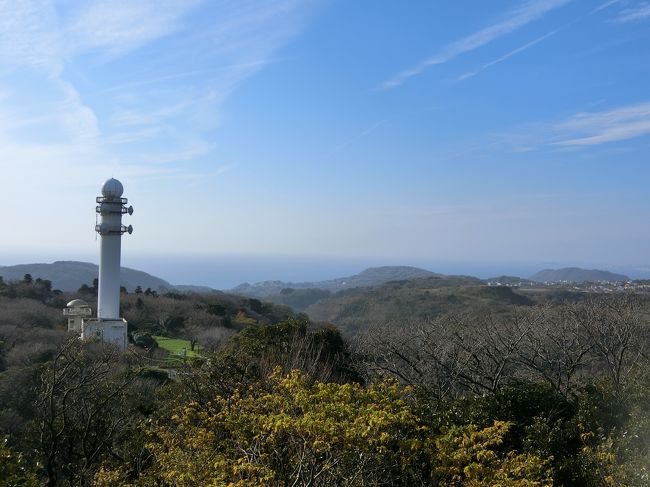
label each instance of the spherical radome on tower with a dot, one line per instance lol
(112, 188)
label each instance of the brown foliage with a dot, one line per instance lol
(605, 337)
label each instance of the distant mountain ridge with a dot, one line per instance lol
(190, 288)
(69, 275)
(576, 274)
(372, 276)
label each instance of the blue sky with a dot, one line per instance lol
(399, 132)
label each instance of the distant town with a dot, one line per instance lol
(604, 286)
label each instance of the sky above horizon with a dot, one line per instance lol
(504, 131)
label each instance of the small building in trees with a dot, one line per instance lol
(76, 311)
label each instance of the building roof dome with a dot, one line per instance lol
(112, 188)
(77, 303)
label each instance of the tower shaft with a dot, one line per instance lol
(108, 306)
(110, 231)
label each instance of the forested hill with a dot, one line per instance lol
(68, 275)
(372, 276)
(399, 301)
(575, 274)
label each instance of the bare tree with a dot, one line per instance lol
(618, 334)
(556, 349)
(489, 347)
(211, 338)
(80, 410)
(420, 353)
(479, 353)
(300, 351)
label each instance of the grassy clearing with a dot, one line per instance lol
(175, 346)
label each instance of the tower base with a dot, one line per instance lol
(106, 331)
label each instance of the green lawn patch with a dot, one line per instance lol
(175, 346)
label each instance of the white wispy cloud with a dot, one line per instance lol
(604, 5)
(120, 26)
(165, 107)
(640, 12)
(581, 131)
(82, 98)
(154, 116)
(594, 128)
(29, 36)
(515, 19)
(364, 133)
(507, 56)
(212, 72)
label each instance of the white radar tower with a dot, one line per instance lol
(108, 326)
(110, 229)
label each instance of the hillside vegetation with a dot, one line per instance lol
(68, 275)
(356, 302)
(480, 387)
(417, 299)
(575, 274)
(369, 277)
(32, 325)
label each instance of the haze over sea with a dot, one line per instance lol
(225, 271)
